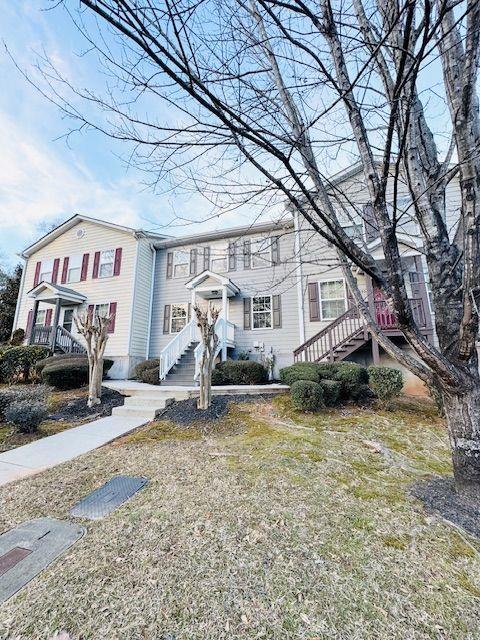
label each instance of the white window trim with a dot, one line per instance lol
(271, 313)
(265, 264)
(176, 264)
(43, 312)
(180, 304)
(101, 304)
(100, 263)
(43, 265)
(323, 281)
(360, 224)
(219, 253)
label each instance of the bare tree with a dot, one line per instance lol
(206, 320)
(94, 330)
(283, 91)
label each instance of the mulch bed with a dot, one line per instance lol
(77, 409)
(440, 498)
(186, 412)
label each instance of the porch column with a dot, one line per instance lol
(371, 306)
(56, 317)
(225, 317)
(34, 321)
(193, 298)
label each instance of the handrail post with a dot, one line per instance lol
(330, 346)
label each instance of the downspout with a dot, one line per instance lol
(134, 293)
(299, 277)
(20, 294)
(152, 285)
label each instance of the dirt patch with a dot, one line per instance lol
(76, 408)
(439, 497)
(186, 412)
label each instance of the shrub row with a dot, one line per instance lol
(239, 372)
(386, 382)
(67, 371)
(352, 377)
(148, 371)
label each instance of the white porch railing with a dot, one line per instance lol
(225, 331)
(175, 348)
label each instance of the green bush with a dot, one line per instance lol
(68, 374)
(218, 377)
(300, 371)
(16, 362)
(243, 372)
(353, 377)
(26, 415)
(16, 393)
(17, 338)
(151, 376)
(386, 382)
(307, 395)
(331, 391)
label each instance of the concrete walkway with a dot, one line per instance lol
(52, 450)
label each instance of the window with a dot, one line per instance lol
(74, 269)
(68, 320)
(107, 259)
(261, 252)
(41, 313)
(46, 271)
(262, 312)
(181, 261)
(219, 259)
(332, 299)
(178, 318)
(354, 231)
(102, 310)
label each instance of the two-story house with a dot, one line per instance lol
(278, 285)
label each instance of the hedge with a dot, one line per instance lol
(354, 378)
(17, 362)
(66, 374)
(243, 372)
(69, 359)
(151, 376)
(307, 395)
(331, 391)
(141, 371)
(218, 378)
(386, 382)
(300, 371)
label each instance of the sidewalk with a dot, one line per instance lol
(52, 450)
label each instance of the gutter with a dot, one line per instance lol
(299, 277)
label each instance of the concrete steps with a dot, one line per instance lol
(143, 405)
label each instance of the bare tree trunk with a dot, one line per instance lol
(206, 323)
(95, 384)
(462, 410)
(95, 332)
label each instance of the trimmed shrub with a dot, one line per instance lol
(69, 358)
(307, 395)
(67, 374)
(29, 392)
(18, 361)
(386, 382)
(243, 372)
(300, 371)
(331, 391)
(327, 370)
(145, 366)
(17, 338)
(353, 377)
(218, 377)
(151, 376)
(26, 415)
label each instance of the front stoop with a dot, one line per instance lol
(143, 406)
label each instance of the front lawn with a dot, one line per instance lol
(263, 524)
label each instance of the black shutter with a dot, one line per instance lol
(232, 257)
(206, 258)
(277, 312)
(169, 264)
(313, 304)
(275, 251)
(246, 254)
(193, 262)
(166, 319)
(247, 324)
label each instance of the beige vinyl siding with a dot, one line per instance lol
(141, 302)
(117, 289)
(270, 280)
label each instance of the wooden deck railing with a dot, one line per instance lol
(64, 341)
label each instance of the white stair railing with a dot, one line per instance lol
(225, 331)
(175, 348)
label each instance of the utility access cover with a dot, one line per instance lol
(30, 548)
(106, 499)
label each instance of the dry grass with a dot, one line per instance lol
(293, 527)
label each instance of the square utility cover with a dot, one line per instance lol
(29, 548)
(106, 499)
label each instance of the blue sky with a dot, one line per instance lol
(45, 179)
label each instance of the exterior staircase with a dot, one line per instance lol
(62, 342)
(183, 372)
(334, 343)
